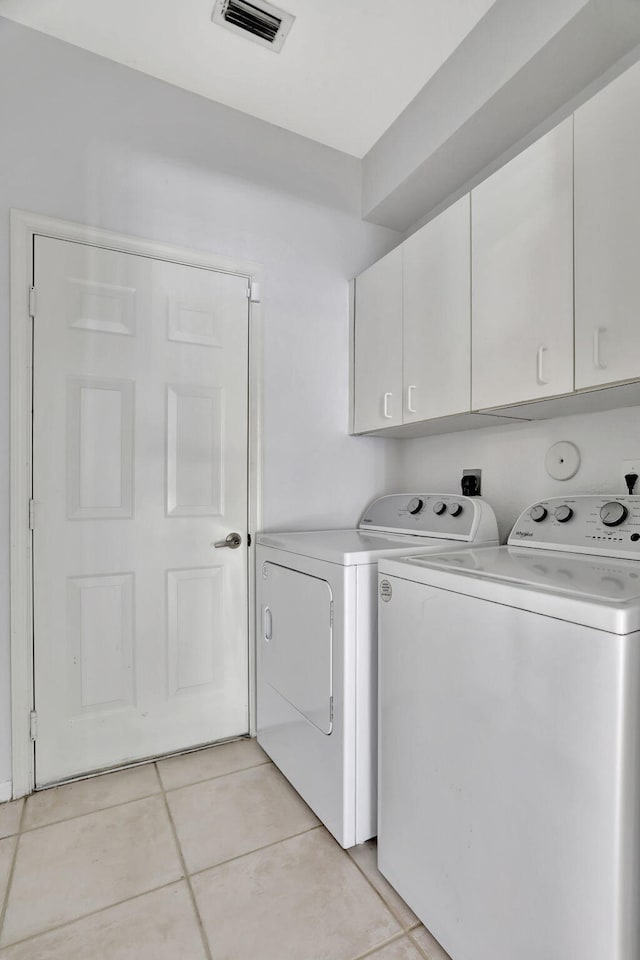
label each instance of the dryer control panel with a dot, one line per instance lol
(598, 524)
(443, 515)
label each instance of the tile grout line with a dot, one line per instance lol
(406, 931)
(394, 939)
(5, 902)
(135, 764)
(391, 910)
(380, 946)
(21, 831)
(217, 776)
(417, 945)
(187, 878)
(87, 916)
(70, 923)
(123, 803)
(160, 793)
(87, 813)
(319, 826)
(163, 793)
(248, 853)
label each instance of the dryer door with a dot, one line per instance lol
(297, 641)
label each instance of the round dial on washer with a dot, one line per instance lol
(613, 513)
(563, 513)
(415, 505)
(538, 513)
(439, 507)
(455, 509)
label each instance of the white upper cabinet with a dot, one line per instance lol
(522, 275)
(378, 345)
(437, 316)
(607, 233)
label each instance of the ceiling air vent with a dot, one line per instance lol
(266, 24)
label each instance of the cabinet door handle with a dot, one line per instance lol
(540, 363)
(597, 362)
(268, 624)
(410, 392)
(385, 406)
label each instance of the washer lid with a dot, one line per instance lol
(595, 591)
(348, 547)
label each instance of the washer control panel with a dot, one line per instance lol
(432, 515)
(599, 524)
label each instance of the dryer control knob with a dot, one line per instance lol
(563, 513)
(613, 513)
(455, 509)
(538, 513)
(439, 507)
(415, 506)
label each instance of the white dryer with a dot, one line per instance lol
(317, 646)
(509, 815)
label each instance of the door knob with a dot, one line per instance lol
(232, 540)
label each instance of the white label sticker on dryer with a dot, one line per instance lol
(385, 591)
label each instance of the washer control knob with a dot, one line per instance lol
(415, 506)
(613, 513)
(455, 509)
(439, 507)
(538, 513)
(563, 513)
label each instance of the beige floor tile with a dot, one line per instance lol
(156, 926)
(224, 818)
(401, 949)
(10, 814)
(302, 898)
(7, 846)
(213, 762)
(67, 870)
(365, 855)
(87, 796)
(429, 944)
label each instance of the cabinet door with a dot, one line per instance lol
(607, 233)
(437, 316)
(522, 275)
(378, 345)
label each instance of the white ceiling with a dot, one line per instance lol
(347, 69)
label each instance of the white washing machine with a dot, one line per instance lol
(317, 646)
(509, 796)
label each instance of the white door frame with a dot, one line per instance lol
(24, 227)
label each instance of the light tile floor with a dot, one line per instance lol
(207, 856)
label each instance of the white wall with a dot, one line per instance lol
(87, 140)
(512, 460)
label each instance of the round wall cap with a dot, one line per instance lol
(562, 460)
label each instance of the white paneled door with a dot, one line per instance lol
(140, 466)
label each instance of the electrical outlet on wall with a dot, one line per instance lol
(471, 482)
(630, 467)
